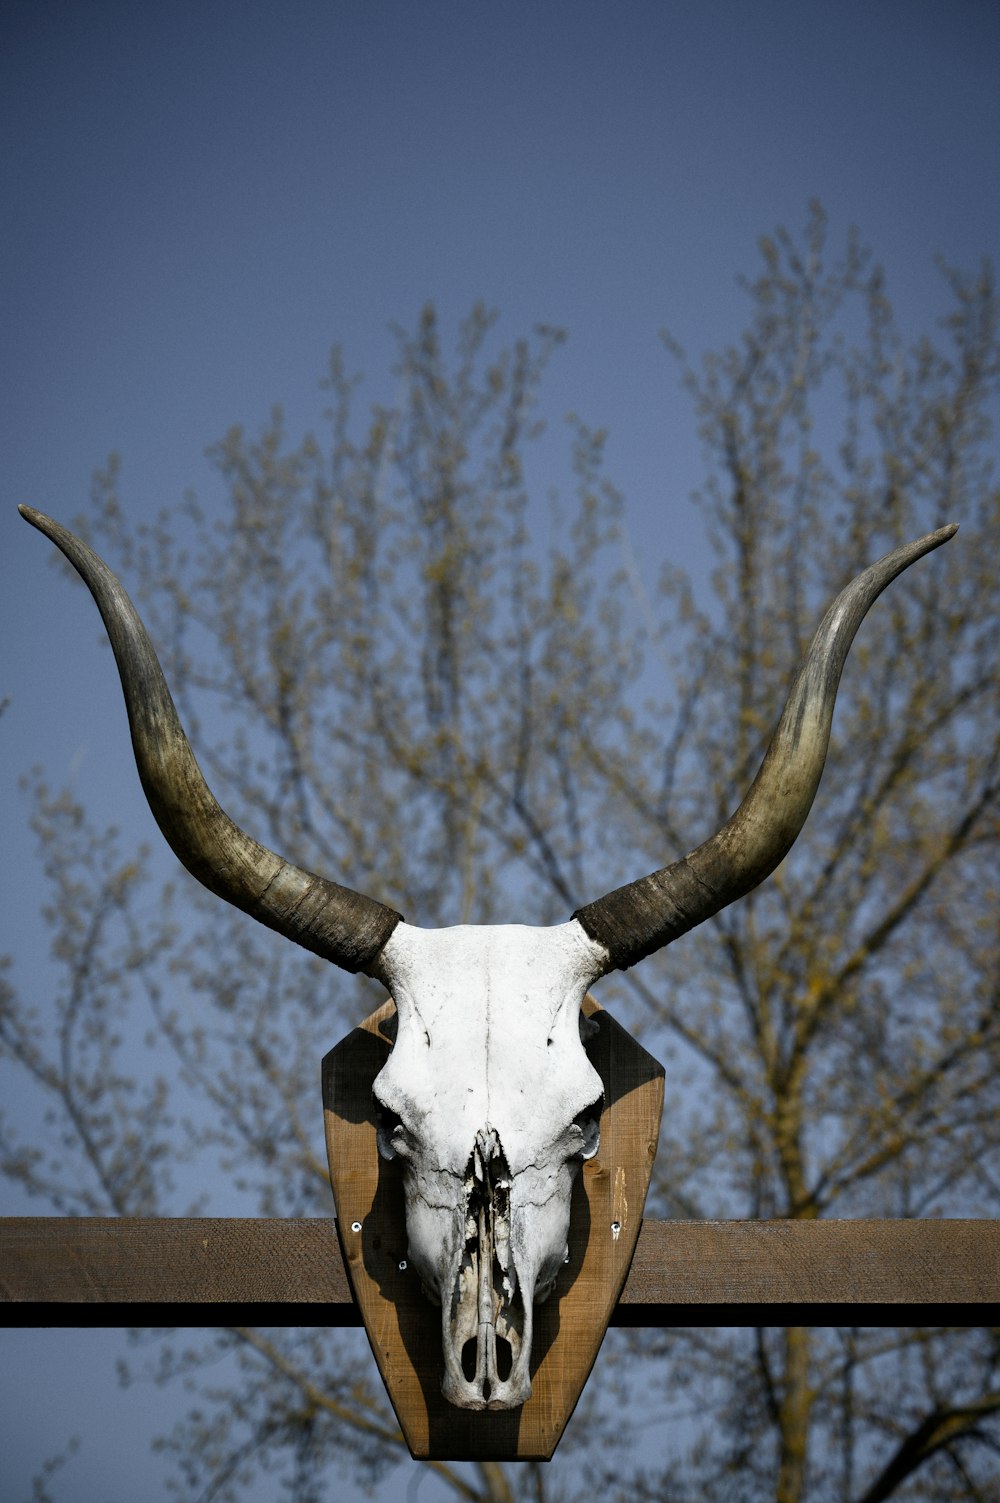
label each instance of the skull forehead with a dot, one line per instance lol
(548, 963)
(489, 1033)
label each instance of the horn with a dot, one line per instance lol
(334, 922)
(634, 921)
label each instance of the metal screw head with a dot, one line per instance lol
(616, 1227)
(355, 1226)
(402, 1265)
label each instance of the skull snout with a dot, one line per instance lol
(486, 1324)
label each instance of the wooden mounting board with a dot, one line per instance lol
(404, 1328)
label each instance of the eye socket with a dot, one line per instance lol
(391, 1136)
(588, 1122)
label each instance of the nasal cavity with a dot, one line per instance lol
(504, 1357)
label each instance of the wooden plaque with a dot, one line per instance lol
(404, 1328)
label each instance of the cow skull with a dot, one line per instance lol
(490, 1102)
(488, 1098)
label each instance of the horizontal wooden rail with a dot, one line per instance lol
(103, 1260)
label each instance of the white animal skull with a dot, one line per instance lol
(488, 1097)
(491, 1104)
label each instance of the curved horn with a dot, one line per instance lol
(645, 915)
(332, 921)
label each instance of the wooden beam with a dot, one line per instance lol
(100, 1260)
(839, 1262)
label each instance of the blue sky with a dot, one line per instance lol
(199, 199)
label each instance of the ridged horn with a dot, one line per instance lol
(634, 921)
(332, 921)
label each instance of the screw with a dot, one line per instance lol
(355, 1226)
(616, 1227)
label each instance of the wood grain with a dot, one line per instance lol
(804, 1262)
(201, 1260)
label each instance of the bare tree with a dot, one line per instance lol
(398, 670)
(847, 1011)
(839, 1414)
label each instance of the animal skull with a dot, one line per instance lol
(489, 1118)
(490, 1102)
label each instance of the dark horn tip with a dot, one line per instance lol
(51, 529)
